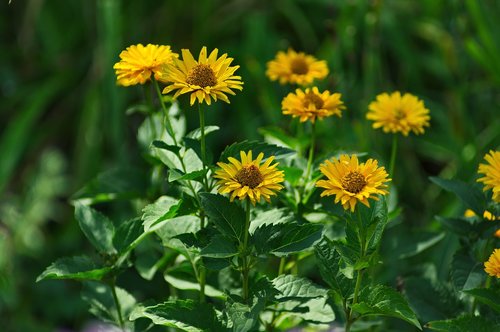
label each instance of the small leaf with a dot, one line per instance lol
(196, 134)
(292, 286)
(127, 233)
(183, 277)
(292, 174)
(186, 315)
(77, 268)
(176, 175)
(385, 301)
(488, 296)
(227, 217)
(164, 146)
(471, 195)
(284, 239)
(465, 323)
(276, 135)
(163, 209)
(466, 272)
(271, 217)
(220, 247)
(98, 229)
(169, 230)
(256, 147)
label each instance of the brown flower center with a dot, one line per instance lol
(299, 66)
(201, 75)
(313, 99)
(249, 176)
(353, 182)
(399, 114)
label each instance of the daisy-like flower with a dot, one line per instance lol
(248, 178)
(395, 113)
(352, 182)
(209, 77)
(492, 266)
(296, 68)
(311, 104)
(491, 172)
(139, 62)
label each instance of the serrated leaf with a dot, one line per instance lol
(271, 217)
(170, 229)
(292, 286)
(385, 301)
(466, 272)
(219, 247)
(77, 268)
(176, 175)
(284, 239)
(471, 195)
(164, 146)
(242, 317)
(329, 266)
(256, 147)
(98, 229)
(127, 233)
(488, 296)
(227, 217)
(183, 277)
(186, 315)
(163, 209)
(464, 324)
(376, 224)
(196, 134)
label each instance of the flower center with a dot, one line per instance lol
(399, 114)
(249, 176)
(313, 99)
(353, 182)
(201, 75)
(299, 66)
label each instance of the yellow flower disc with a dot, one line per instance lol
(209, 77)
(492, 266)
(491, 172)
(138, 62)
(311, 104)
(248, 178)
(296, 68)
(352, 182)
(398, 114)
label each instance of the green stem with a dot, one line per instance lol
(168, 124)
(311, 151)
(203, 278)
(149, 98)
(393, 155)
(245, 262)
(203, 146)
(117, 303)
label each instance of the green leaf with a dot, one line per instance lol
(163, 145)
(459, 226)
(182, 276)
(292, 286)
(196, 134)
(285, 239)
(471, 195)
(377, 222)
(465, 323)
(102, 304)
(276, 135)
(271, 217)
(77, 268)
(220, 247)
(195, 145)
(488, 296)
(466, 272)
(185, 315)
(292, 174)
(169, 230)
(177, 175)
(163, 209)
(98, 229)
(127, 233)
(328, 260)
(243, 317)
(256, 147)
(384, 301)
(420, 241)
(227, 217)
(350, 249)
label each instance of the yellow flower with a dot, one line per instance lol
(486, 215)
(311, 104)
(395, 113)
(138, 62)
(209, 77)
(296, 68)
(352, 182)
(491, 171)
(492, 266)
(248, 178)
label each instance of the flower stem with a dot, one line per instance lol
(148, 97)
(203, 146)
(393, 155)
(117, 303)
(203, 278)
(168, 124)
(245, 269)
(311, 151)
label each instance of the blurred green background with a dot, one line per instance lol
(64, 120)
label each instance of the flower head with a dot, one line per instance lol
(248, 178)
(138, 62)
(492, 266)
(296, 68)
(491, 172)
(395, 113)
(311, 104)
(352, 182)
(209, 77)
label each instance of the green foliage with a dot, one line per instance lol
(98, 229)
(78, 268)
(463, 324)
